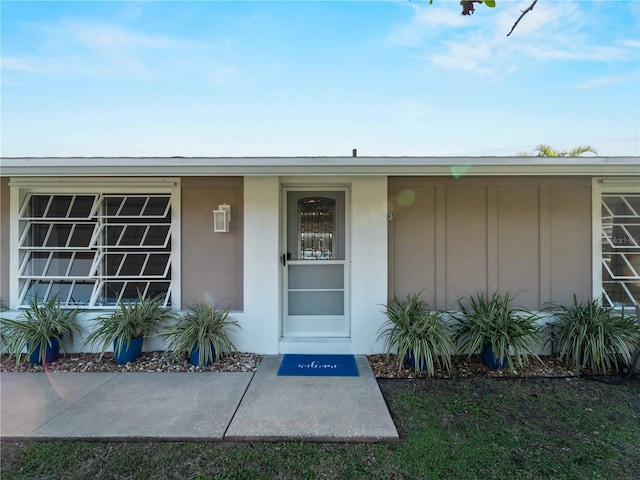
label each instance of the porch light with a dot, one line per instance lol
(222, 218)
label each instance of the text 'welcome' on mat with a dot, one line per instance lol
(318, 365)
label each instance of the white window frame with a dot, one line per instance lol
(600, 187)
(21, 188)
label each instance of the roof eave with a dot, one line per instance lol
(256, 166)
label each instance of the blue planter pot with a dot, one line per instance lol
(130, 351)
(50, 353)
(195, 353)
(489, 360)
(411, 360)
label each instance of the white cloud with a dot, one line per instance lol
(24, 64)
(472, 55)
(100, 48)
(552, 31)
(67, 65)
(425, 23)
(600, 82)
(103, 37)
(631, 77)
(223, 75)
(592, 53)
(631, 43)
(545, 17)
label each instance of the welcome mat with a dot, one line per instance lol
(318, 365)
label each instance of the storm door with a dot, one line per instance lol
(314, 261)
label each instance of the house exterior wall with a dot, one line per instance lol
(534, 236)
(212, 263)
(530, 236)
(369, 239)
(260, 319)
(5, 251)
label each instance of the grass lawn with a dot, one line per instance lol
(450, 429)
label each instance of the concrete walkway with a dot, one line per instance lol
(257, 406)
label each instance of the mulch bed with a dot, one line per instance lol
(471, 366)
(383, 366)
(148, 362)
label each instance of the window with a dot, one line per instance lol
(94, 249)
(621, 248)
(316, 227)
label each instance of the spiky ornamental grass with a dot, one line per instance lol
(511, 332)
(130, 320)
(411, 329)
(204, 326)
(35, 328)
(588, 334)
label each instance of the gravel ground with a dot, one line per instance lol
(148, 362)
(383, 366)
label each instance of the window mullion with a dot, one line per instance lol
(144, 264)
(629, 235)
(122, 203)
(46, 209)
(144, 235)
(95, 270)
(124, 229)
(97, 205)
(47, 236)
(627, 291)
(47, 265)
(98, 287)
(167, 267)
(631, 209)
(123, 260)
(144, 205)
(71, 260)
(630, 265)
(71, 232)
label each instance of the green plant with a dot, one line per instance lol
(512, 333)
(588, 334)
(205, 327)
(412, 330)
(130, 320)
(36, 327)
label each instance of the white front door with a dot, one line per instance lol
(315, 264)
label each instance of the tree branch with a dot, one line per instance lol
(520, 17)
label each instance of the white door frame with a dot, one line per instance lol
(345, 332)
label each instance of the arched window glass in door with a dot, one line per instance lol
(316, 223)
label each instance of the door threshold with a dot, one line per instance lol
(318, 345)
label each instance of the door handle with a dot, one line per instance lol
(285, 257)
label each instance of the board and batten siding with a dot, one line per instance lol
(451, 238)
(212, 263)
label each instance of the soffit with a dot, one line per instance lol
(256, 166)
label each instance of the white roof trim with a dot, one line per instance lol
(249, 166)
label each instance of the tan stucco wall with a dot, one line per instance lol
(455, 237)
(212, 263)
(4, 240)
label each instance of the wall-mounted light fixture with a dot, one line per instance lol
(221, 218)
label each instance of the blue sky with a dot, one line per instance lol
(317, 78)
